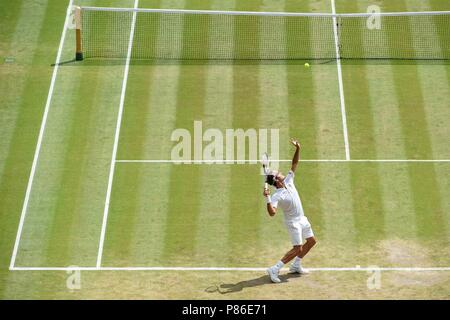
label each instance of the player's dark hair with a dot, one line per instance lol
(270, 179)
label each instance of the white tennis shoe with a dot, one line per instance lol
(297, 269)
(273, 274)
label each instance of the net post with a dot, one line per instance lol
(79, 50)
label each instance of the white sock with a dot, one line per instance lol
(297, 261)
(279, 265)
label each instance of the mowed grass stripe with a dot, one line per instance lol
(152, 196)
(21, 143)
(10, 14)
(245, 218)
(184, 199)
(436, 93)
(16, 79)
(147, 31)
(71, 238)
(320, 95)
(374, 112)
(430, 215)
(139, 207)
(361, 122)
(400, 246)
(211, 242)
(74, 158)
(367, 202)
(214, 180)
(393, 180)
(53, 25)
(17, 145)
(407, 99)
(79, 130)
(367, 199)
(368, 215)
(127, 193)
(114, 94)
(398, 208)
(127, 196)
(416, 135)
(21, 47)
(304, 122)
(273, 114)
(142, 77)
(52, 177)
(212, 232)
(337, 243)
(443, 172)
(122, 219)
(387, 140)
(325, 190)
(138, 215)
(398, 196)
(412, 111)
(329, 144)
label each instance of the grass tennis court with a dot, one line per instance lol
(364, 211)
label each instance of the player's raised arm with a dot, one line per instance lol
(296, 154)
(270, 209)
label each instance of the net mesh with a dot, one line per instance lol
(203, 36)
(400, 37)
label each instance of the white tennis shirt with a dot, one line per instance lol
(288, 199)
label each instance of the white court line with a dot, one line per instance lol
(341, 85)
(116, 138)
(288, 160)
(407, 269)
(263, 13)
(40, 138)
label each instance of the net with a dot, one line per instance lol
(211, 35)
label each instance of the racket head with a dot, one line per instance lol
(265, 161)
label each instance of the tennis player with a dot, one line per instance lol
(286, 197)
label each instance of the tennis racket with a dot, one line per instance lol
(265, 161)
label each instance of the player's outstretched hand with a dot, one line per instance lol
(295, 143)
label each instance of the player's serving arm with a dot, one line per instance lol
(271, 209)
(287, 198)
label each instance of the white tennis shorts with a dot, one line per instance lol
(299, 230)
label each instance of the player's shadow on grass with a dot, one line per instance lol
(225, 288)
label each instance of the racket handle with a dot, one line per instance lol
(266, 186)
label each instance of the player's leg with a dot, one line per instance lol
(295, 233)
(274, 271)
(310, 241)
(291, 254)
(308, 235)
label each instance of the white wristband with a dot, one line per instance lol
(268, 199)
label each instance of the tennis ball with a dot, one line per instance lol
(306, 65)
